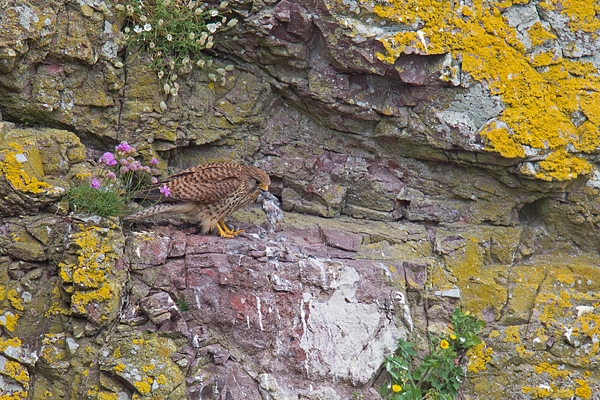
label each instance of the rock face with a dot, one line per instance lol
(427, 155)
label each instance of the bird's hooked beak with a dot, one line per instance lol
(263, 187)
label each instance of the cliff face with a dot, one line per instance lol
(427, 155)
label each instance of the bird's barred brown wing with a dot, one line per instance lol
(207, 183)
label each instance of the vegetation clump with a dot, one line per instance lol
(440, 374)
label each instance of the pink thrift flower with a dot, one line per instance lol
(153, 161)
(108, 159)
(165, 191)
(123, 162)
(147, 169)
(111, 175)
(123, 148)
(95, 183)
(154, 180)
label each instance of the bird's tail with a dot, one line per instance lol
(163, 208)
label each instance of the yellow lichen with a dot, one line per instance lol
(120, 367)
(9, 321)
(107, 396)
(89, 274)
(17, 372)
(148, 368)
(15, 300)
(117, 353)
(512, 335)
(143, 387)
(537, 392)
(479, 356)
(13, 171)
(161, 379)
(583, 390)
(536, 114)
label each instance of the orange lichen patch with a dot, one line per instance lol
(539, 93)
(13, 171)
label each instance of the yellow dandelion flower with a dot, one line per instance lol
(452, 336)
(444, 344)
(396, 388)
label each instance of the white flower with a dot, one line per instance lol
(192, 35)
(163, 106)
(167, 88)
(126, 30)
(143, 18)
(229, 68)
(212, 28)
(223, 4)
(147, 27)
(232, 23)
(200, 63)
(212, 77)
(137, 29)
(170, 37)
(213, 13)
(160, 74)
(198, 11)
(221, 71)
(152, 45)
(118, 64)
(161, 22)
(173, 92)
(174, 77)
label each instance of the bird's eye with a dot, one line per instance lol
(257, 182)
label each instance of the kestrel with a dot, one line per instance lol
(209, 193)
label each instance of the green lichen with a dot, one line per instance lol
(536, 114)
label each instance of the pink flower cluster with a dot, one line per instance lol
(121, 167)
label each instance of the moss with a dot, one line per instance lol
(536, 114)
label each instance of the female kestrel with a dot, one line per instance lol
(209, 193)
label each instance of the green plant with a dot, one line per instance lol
(174, 33)
(440, 374)
(118, 178)
(182, 304)
(88, 200)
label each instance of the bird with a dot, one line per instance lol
(209, 193)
